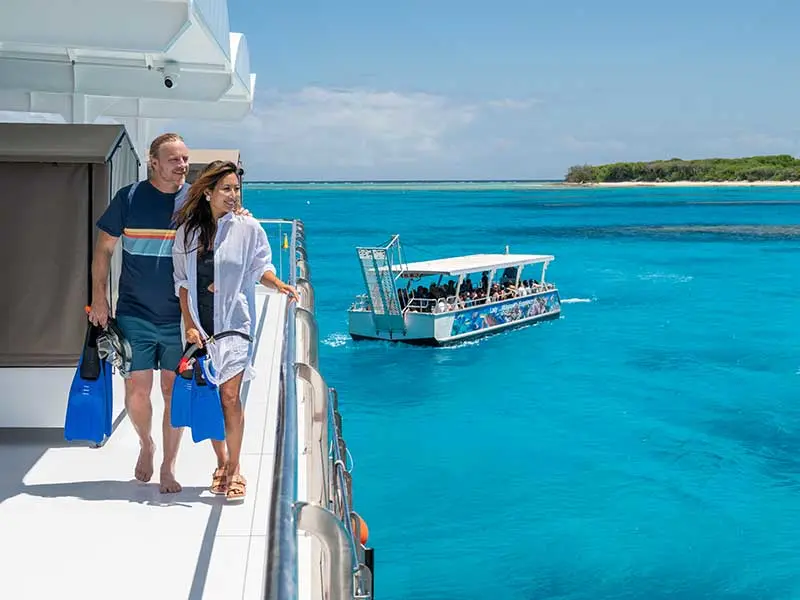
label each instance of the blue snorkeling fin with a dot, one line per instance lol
(109, 387)
(206, 419)
(181, 404)
(88, 412)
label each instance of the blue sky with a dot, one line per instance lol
(515, 88)
(438, 89)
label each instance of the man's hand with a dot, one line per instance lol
(241, 210)
(98, 315)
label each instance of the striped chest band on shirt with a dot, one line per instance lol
(148, 242)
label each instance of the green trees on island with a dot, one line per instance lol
(780, 167)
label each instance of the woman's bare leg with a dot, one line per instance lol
(221, 450)
(234, 421)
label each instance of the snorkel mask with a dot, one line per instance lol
(113, 347)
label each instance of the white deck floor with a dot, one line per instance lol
(75, 524)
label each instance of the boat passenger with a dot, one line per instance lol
(218, 258)
(147, 310)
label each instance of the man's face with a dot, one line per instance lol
(172, 162)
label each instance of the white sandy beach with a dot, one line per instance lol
(625, 184)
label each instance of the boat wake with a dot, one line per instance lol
(335, 340)
(577, 300)
(463, 344)
(668, 277)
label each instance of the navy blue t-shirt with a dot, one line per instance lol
(147, 228)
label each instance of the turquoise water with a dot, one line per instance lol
(646, 445)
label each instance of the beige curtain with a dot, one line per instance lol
(44, 238)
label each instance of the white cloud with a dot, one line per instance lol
(321, 130)
(513, 104)
(340, 133)
(328, 133)
(358, 127)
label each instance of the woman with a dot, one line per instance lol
(218, 257)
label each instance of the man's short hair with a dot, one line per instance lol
(164, 138)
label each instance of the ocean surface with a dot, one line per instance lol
(646, 445)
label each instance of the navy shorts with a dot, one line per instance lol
(153, 346)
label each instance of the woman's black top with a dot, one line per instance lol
(205, 298)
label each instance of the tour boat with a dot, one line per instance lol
(447, 300)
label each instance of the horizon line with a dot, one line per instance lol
(404, 181)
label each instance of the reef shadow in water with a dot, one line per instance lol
(520, 203)
(776, 447)
(656, 585)
(688, 232)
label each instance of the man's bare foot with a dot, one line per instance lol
(169, 484)
(144, 466)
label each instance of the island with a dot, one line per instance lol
(779, 169)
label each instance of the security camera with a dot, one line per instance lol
(171, 72)
(170, 80)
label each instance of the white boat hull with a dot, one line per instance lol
(438, 329)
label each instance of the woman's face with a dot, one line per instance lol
(225, 196)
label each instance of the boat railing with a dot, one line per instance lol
(327, 512)
(456, 303)
(282, 231)
(441, 305)
(361, 302)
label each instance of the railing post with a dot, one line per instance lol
(311, 336)
(338, 549)
(304, 269)
(306, 291)
(317, 430)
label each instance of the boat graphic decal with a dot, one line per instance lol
(510, 311)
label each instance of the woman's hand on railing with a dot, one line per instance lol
(285, 288)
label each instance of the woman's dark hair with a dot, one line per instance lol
(196, 211)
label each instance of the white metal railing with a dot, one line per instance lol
(361, 302)
(280, 577)
(327, 513)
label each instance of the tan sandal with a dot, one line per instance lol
(236, 488)
(219, 482)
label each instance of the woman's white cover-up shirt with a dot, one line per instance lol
(242, 255)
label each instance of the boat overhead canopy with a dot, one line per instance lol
(199, 159)
(473, 263)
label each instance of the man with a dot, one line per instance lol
(147, 308)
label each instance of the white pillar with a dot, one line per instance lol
(79, 109)
(139, 130)
(144, 134)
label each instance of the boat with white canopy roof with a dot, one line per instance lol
(437, 302)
